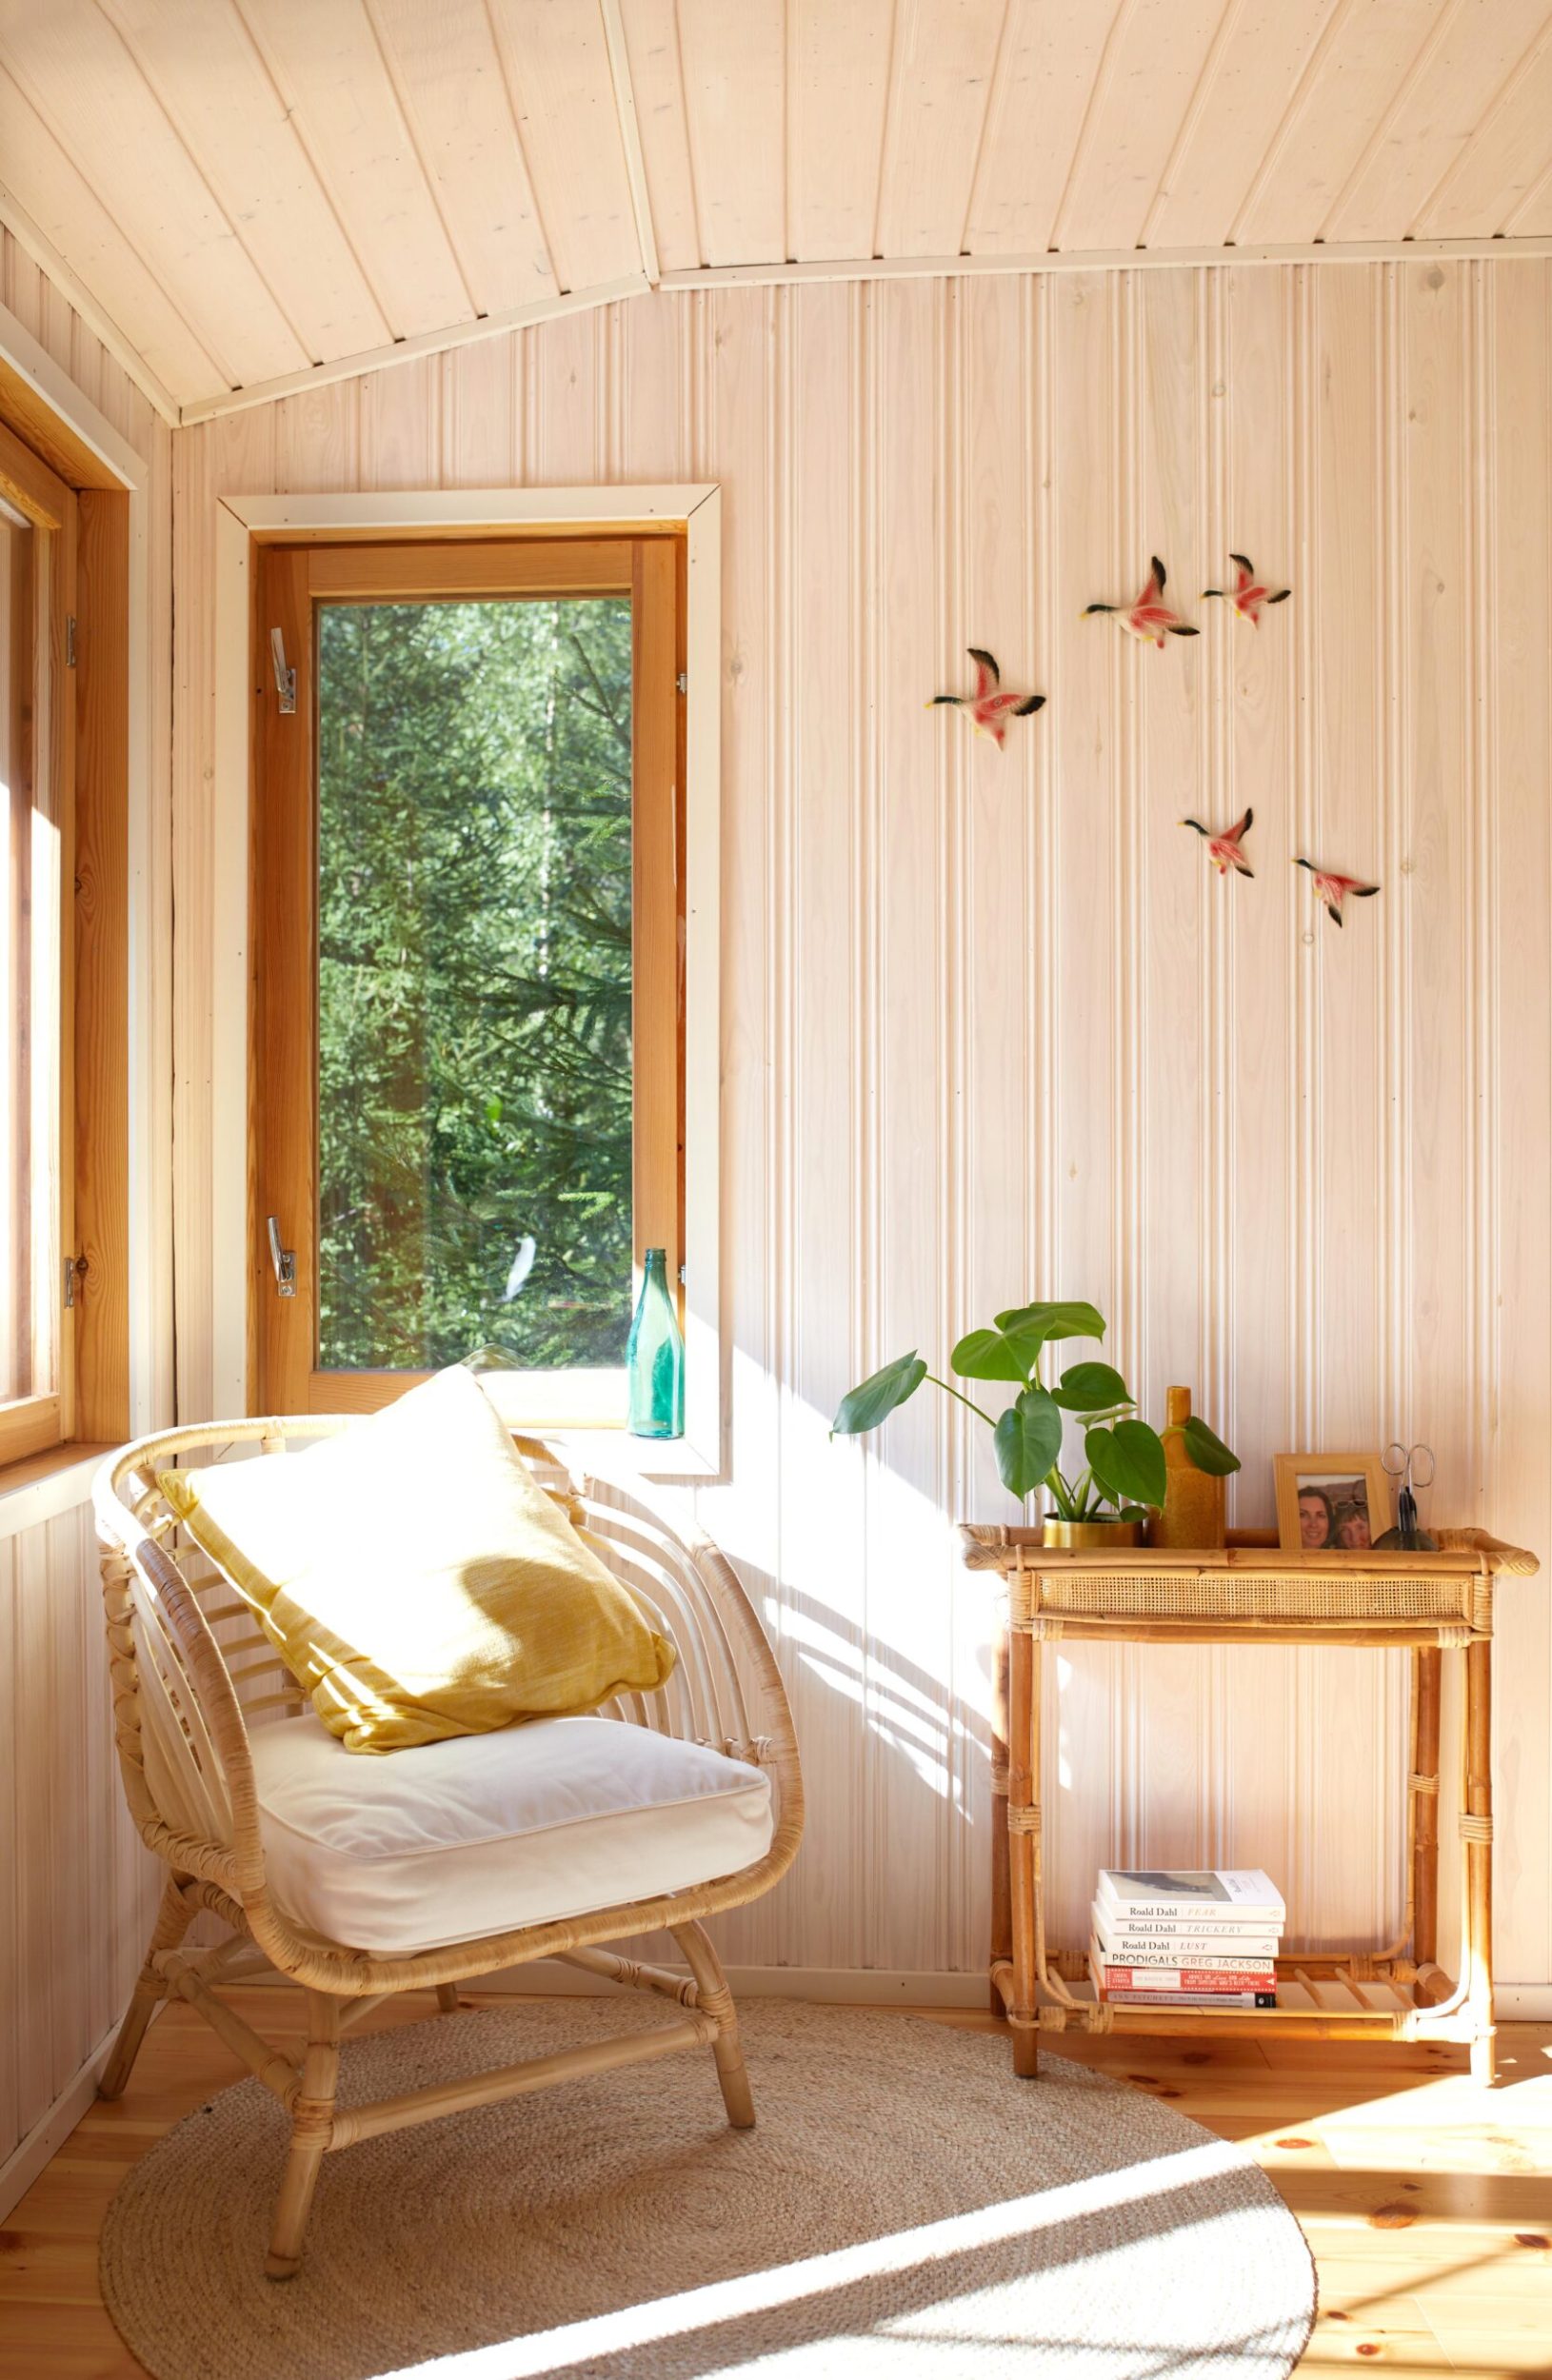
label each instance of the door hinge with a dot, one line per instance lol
(284, 678)
(69, 641)
(684, 681)
(75, 1271)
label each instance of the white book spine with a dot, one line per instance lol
(1181, 1913)
(1184, 1949)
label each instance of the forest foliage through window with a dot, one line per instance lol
(474, 991)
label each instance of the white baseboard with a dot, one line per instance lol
(1523, 2003)
(27, 2159)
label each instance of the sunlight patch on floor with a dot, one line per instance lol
(575, 2346)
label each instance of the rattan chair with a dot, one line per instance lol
(191, 1674)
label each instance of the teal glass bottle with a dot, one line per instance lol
(655, 1358)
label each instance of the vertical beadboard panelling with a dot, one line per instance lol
(1174, 897)
(819, 1245)
(1441, 860)
(743, 431)
(990, 1017)
(1080, 1787)
(1253, 674)
(996, 791)
(76, 1898)
(927, 1723)
(1519, 696)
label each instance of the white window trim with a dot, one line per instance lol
(697, 510)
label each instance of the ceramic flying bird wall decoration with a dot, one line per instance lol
(1249, 594)
(1226, 851)
(989, 709)
(1331, 890)
(1149, 619)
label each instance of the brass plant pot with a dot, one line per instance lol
(1088, 1537)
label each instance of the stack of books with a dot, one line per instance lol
(1186, 1937)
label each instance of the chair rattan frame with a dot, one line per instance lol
(191, 1670)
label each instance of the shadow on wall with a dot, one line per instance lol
(894, 1870)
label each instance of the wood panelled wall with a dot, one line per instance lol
(77, 1889)
(80, 1889)
(992, 1030)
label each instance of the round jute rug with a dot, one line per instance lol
(904, 2208)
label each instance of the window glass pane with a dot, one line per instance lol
(474, 982)
(17, 834)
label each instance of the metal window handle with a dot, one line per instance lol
(284, 678)
(284, 1260)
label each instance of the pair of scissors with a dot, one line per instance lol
(1406, 1464)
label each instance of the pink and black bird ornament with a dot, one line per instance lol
(988, 708)
(1249, 594)
(1149, 619)
(1226, 850)
(1332, 890)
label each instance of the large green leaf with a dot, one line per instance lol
(1208, 1451)
(1027, 1439)
(1129, 1462)
(865, 1407)
(1068, 1318)
(997, 1355)
(1091, 1388)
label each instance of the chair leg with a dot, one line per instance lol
(446, 1998)
(717, 2001)
(313, 2122)
(173, 1919)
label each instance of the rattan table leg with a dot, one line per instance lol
(1022, 1817)
(1427, 1666)
(1476, 1828)
(1002, 1914)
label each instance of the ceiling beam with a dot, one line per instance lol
(1111, 260)
(425, 343)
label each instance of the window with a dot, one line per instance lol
(37, 738)
(468, 1063)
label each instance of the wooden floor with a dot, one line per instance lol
(1428, 2203)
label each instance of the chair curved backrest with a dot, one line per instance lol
(193, 1672)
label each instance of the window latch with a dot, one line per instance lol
(284, 1260)
(284, 678)
(75, 1271)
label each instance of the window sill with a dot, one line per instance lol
(614, 1454)
(42, 1487)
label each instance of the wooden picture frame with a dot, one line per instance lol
(1363, 1514)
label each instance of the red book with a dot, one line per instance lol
(1111, 1976)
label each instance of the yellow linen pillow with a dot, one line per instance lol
(416, 1579)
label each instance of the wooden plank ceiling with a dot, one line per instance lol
(242, 194)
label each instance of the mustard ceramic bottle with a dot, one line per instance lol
(1193, 1506)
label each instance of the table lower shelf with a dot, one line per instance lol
(1310, 2007)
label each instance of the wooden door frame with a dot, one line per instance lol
(242, 522)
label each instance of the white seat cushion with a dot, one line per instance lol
(449, 1841)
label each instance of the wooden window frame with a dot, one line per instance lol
(82, 966)
(291, 582)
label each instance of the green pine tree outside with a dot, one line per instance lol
(474, 980)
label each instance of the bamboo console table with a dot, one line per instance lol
(1254, 1592)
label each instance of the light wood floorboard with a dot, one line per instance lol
(1427, 2203)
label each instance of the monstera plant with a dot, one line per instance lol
(1123, 1459)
